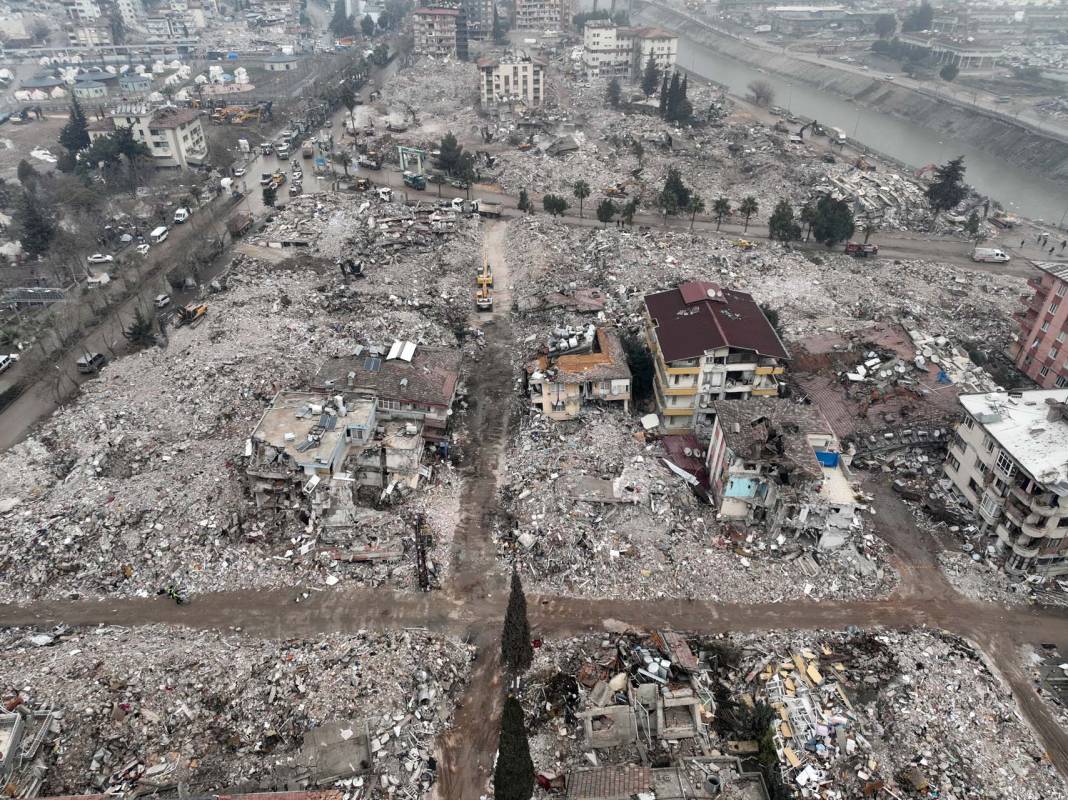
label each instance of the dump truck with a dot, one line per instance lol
(191, 315)
(307, 150)
(487, 208)
(484, 299)
(414, 181)
(861, 250)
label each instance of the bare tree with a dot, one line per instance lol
(761, 92)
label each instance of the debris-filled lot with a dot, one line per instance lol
(226, 711)
(819, 714)
(140, 483)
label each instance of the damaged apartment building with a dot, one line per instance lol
(777, 464)
(579, 367)
(709, 343)
(1008, 459)
(364, 422)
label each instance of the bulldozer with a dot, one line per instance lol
(191, 315)
(616, 190)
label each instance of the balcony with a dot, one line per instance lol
(1035, 282)
(1044, 504)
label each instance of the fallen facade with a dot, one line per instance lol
(709, 343)
(1009, 461)
(590, 366)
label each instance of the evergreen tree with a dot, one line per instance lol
(36, 227)
(947, 189)
(650, 78)
(140, 333)
(270, 194)
(833, 221)
(513, 777)
(516, 649)
(341, 24)
(675, 194)
(452, 154)
(613, 93)
(664, 97)
(972, 226)
(367, 26)
(606, 211)
(27, 175)
(671, 109)
(524, 203)
(782, 225)
(74, 137)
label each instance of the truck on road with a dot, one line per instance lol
(861, 250)
(414, 181)
(990, 254)
(487, 208)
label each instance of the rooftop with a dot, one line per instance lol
(607, 362)
(772, 429)
(306, 428)
(1054, 268)
(427, 376)
(445, 12)
(1032, 427)
(699, 316)
(280, 58)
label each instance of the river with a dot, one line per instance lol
(1018, 190)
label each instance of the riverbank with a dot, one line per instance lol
(999, 136)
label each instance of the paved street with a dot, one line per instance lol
(473, 600)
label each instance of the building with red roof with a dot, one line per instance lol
(709, 343)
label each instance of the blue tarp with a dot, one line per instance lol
(826, 458)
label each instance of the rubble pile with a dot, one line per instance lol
(433, 96)
(1050, 673)
(818, 714)
(978, 578)
(140, 483)
(228, 711)
(594, 511)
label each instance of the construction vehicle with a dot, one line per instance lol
(743, 244)
(484, 299)
(487, 208)
(616, 190)
(861, 250)
(484, 278)
(385, 193)
(191, 315)
(239, 224)
(414, 181)
(361, 185)
(277, 179)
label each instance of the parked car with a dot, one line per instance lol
(181, 215)
(143, 249)
(100, 258)
(8, 361)
(91, 363)
(162, 300)
(239, 172)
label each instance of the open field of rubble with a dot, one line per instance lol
(824, 714)
(226, 711)
(139, 483)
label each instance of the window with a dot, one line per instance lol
(1061, 337)
(976, 489)
(1045, 327)
(1062, 381)
(1053, 352)
(1053, 307)
(1062, 289)
(969, 423)
(959, 442)
(1044, 372)
(988, 443)
(1005, 464)
(953, 462)
(989, 505)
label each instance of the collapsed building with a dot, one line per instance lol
(582, 366)
(364, 423)
(709, 343)
(777, 463)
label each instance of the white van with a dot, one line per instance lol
(990, 254)
(159, 234)
(181, 215)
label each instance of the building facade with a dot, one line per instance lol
(174, 136)
(82, 10)
(542, 15)
(512, 79)
(1041, 349)
(1008, 460)
(480, 16)
(709, 343)
(614, 51)
(440, 32)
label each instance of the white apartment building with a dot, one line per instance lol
(542, 15)
(82, 10)
(613, 51)
(174, 136)
(1009, 460)
(512, 79)
(130, 11)
(440, 32)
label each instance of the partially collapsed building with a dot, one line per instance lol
(579, 368)
(709, 343)
(1008, 459)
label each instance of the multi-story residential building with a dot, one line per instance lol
(512, 79)
(610, 50)
(480, 15)
(560, 385)
(174, 136)
(709, 343)
(169, 26)
(1008, 459)
(89, 35)
(130, 11)
(82, 10)
(440, 32)
(1041, 349)
(542, 15)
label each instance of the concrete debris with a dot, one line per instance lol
(223, 710)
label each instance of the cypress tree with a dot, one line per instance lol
(664, 96)
(513, 778)
(516, 649)
(673, 97)
(75, 134)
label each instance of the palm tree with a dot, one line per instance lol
(748, 207)
(581, 191)
(695, 205)
(721, 208)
